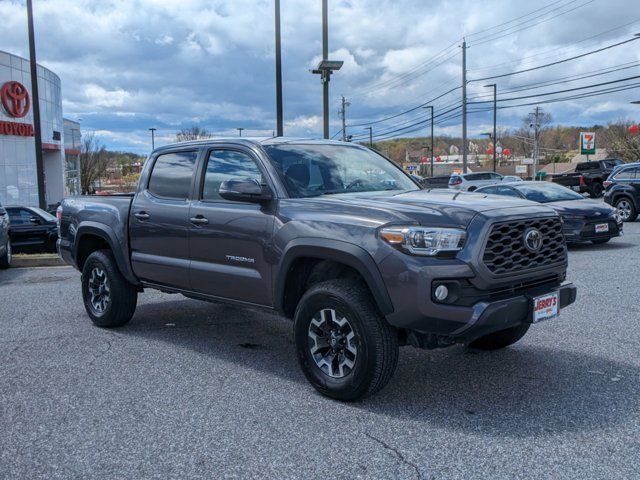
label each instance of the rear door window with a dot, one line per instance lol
(627, 174)
(172, 174)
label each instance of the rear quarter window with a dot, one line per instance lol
(172, 173)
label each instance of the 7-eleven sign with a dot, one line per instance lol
(587, 143)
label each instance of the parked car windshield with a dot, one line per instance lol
(310, 170)
(546, 192)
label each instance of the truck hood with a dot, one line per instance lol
(446, 206)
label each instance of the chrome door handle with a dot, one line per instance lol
(142, 216)
(199, 220)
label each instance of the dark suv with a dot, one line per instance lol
(623, 191)
(5, 239)
(330, 234)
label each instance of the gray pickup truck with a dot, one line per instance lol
(330, 234)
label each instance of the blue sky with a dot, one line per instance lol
(130, 65)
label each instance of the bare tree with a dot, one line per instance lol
(192, 133)
(620, 143)
(94, 162)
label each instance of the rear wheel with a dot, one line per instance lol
(345, 347)
(596, 190)
(5, 259)
(626, 210)
(501, 339)
(110, 300)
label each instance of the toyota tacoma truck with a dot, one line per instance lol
(332, 235)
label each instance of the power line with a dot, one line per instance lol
(560, 91)
(557, 62)
(544, 53)
(509, 31)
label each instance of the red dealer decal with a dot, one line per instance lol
(15, 99)
(18, 129)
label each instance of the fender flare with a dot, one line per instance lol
(343, 252)
(108, 235)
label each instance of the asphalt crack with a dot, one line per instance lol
(397, 453)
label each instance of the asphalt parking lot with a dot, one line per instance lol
(191, 389)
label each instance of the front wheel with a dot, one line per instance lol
(345, 347)
(110, 300)
(626, 210)
(501, 339)
(5, 259)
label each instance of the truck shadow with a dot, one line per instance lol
(522, 391)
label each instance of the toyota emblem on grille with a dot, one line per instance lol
(532, 239)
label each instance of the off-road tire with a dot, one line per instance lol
(5, 260)
(501, 339)
(123, 295)
(375, 339)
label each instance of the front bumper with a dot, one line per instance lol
(577, 230)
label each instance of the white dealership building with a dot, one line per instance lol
(18, 166)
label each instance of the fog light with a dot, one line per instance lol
(441, 292)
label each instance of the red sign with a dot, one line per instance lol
(15, 99)
(18, 129)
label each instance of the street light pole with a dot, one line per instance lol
(35, 105)
(495, 117)
(279, 114)
(432, 145)
(464, 106)
(326, 68)
(240, 129)
(153, 138)
(370, 136)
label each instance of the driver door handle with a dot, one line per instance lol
(141, 215)
(199, 220)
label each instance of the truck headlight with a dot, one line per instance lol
(427, 241)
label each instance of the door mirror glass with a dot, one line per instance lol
(244, 190)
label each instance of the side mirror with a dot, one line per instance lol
(244, 190)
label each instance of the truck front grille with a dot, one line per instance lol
(506, 253)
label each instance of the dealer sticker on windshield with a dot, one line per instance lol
(546, 307)
(602, 227)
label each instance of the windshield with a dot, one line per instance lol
(46, 215)
(547, 192)
(311, 170)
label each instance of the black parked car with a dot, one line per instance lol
(5, 240)
(583, 220)
(32, 229)
(623, 191)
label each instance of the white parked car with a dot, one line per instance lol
(470, 181)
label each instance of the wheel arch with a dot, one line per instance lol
(335, 252)
(92, 236)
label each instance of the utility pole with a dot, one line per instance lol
(370, 136)
(153, 138)
(343, 114)
(432, 145)
(536, 127)
(279, 120)
(35, 105)
(495, 117)
(464, 106)
(326, 68)
(240, 129)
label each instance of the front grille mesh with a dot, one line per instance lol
(505, 252)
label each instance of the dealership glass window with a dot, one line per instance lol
(224, 165)
(171, 175)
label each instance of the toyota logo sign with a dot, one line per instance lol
(532, 239)
(15, 99)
